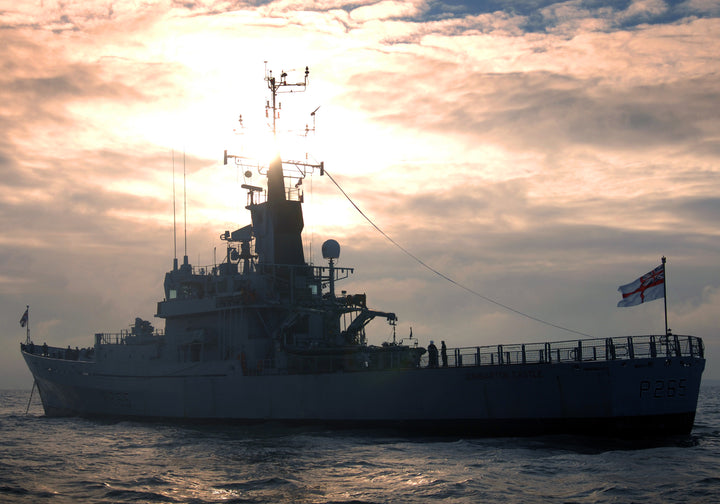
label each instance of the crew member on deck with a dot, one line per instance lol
(432, 355)
(443, 353)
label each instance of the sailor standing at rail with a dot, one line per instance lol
(432, 355)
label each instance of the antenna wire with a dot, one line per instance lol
(442, 275)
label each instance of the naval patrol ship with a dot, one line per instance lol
(266, 336)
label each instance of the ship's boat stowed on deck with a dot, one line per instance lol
(265, 336)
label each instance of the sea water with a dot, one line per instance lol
(62, 460)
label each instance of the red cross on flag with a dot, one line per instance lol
(648, 287)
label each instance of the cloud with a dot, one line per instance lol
(541, 108)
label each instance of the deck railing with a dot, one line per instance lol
(45, 350)
(123, 337)
(583, 350)
(600, 349)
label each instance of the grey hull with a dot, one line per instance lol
(618, 397)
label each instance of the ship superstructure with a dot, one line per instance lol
(264, 306)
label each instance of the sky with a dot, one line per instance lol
(538, 153)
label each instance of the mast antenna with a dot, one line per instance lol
(664, 260)
(275, 86)
(312, 114)
(185, 257)
(175, 261)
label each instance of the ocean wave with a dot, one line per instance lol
(138, 496)
(9, 489)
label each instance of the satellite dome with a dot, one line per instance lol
(330, 249)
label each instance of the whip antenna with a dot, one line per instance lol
(185, 257)
(175, 261)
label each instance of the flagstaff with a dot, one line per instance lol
(648, 287)
(25, 322)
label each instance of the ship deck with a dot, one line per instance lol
(580, 350)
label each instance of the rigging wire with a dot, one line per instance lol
(442, 275)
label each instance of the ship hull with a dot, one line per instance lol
(639, 397)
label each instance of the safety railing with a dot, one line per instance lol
(601, 349)
(45, 350)
(124, 337)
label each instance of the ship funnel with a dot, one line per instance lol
(330, 249)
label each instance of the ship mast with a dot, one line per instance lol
(273, 106)
(275, 86)
(278, 240)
